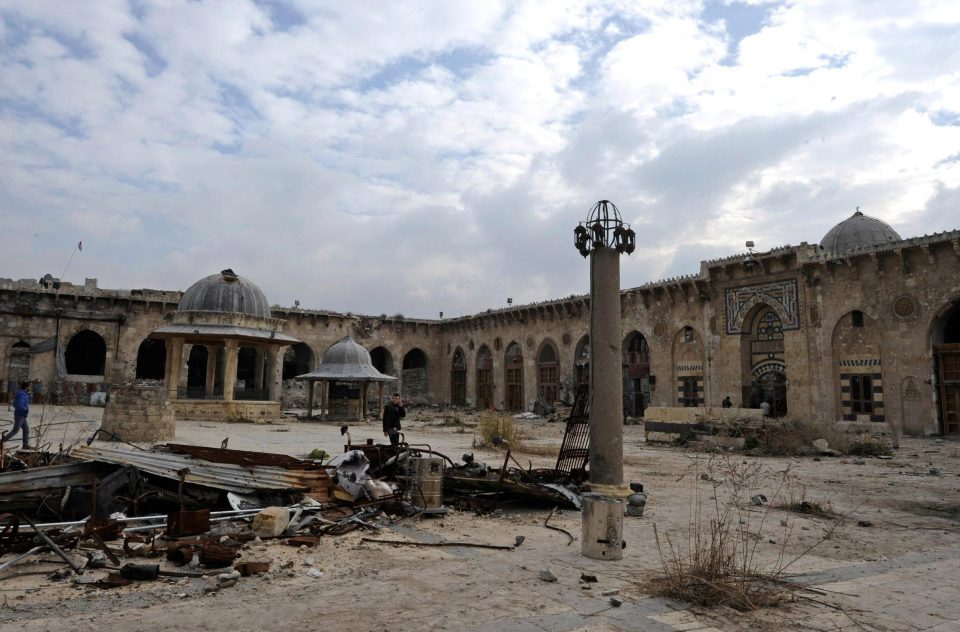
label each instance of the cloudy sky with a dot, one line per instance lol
(417, 157)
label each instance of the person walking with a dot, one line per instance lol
(21, 408)
(393, 412)
(727, 403)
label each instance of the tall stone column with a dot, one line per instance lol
(606, 371)
(274, 372)
(171, 374)
(230, 352)
(260, 356)
(210, 382)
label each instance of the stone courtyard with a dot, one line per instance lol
(896, 572)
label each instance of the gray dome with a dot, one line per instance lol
(857, 232)
(346, 352)
(226, 292)
(348, 361)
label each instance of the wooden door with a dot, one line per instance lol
(948, 365)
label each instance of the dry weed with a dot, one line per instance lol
(502, 426)
(719, 564)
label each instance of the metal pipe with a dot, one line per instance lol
(53, 545)
(10, 563)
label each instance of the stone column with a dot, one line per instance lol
(171, 374)
(185, 364)
(606, 372)
(274, 371)
(230, 351)
(260, 356)
(210, 382)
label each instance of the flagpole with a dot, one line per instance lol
(75, 250)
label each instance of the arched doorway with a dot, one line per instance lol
(636, 374)
(946, 351)
(581, 360)
(458, 378)
(484, 378)
(151, 359)
(86, 354)
(513, 377)
(763, 361)
(415, 375)
(18, 369)
(688, 353)
(548, 370)
(297, 360)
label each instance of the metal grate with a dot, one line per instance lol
(575, 450)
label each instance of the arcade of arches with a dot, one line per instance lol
(863, 328)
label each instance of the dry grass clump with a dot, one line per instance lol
(539, 450)
(716, 562)
(502, 426)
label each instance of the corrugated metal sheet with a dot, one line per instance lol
(45, 478)
(225, 476)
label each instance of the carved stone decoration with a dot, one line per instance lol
(905, 307)
(659, 329)
(814, 315)
(909, 389)
(470, 345)
(714, 325)
(530, 342)
(497, 343)
(567, 339)
(781, 296)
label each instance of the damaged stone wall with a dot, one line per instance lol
(138, 413)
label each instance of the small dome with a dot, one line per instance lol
(226, 292)
(347, 352)
(857, 232)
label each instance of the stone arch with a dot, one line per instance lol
(297, 360)
(18, 368)
(513, 377)
(458, 378)
(857, 367)
(763, 366)
(688, 353)
(382, 361)
(414, 385)
(151, 359)
(636, 374)
(548, 371)
(86, 353)
(484, 378)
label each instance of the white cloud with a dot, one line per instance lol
(434, 157)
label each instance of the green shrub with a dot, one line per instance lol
(868, 448)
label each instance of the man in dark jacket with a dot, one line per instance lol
(21, 408)
(393, 412)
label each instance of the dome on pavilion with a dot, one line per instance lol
(857, 232)
(226, 292)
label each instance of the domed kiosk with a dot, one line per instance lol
(344, 375)
(224, 351)
(858, 232)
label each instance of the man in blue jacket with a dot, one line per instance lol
(21, 408)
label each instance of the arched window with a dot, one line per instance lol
(86, 354)
(581, 360)
(484, 378)
(548, 380)
(636, 374)
(458, 379)
(513, 377)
